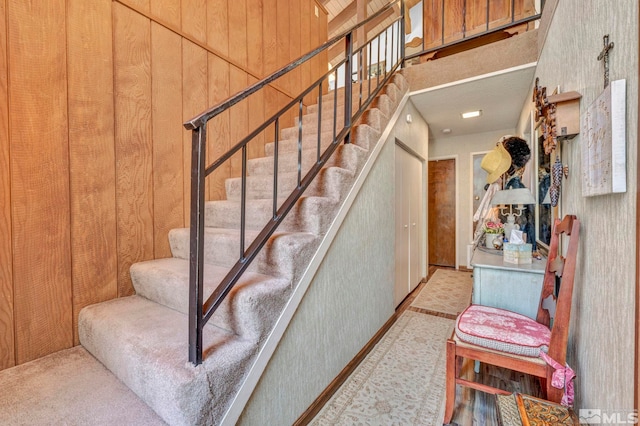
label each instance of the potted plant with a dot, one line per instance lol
(492, 230)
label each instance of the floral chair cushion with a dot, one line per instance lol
(502, 330)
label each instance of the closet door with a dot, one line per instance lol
(409, 212)
(414, 170)
(401, 288)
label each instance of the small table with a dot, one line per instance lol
(505, 285)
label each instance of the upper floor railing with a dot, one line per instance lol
(443, 24)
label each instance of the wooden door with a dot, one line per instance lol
(442, 213)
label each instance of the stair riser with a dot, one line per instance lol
(242, 312)
(277, 258)
(343, 157)
(312, 129)
(308, 215)
(328, 107)
(145, 346)
(291, 145)
(261, 187)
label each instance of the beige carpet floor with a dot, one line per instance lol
(446, 292)
(71, 388)
(400, 382)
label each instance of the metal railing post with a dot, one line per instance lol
(196, 257)
(348, 85)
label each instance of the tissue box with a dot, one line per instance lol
(519, 254)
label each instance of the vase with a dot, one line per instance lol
(488, 239)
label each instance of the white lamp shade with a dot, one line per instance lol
(513, 196)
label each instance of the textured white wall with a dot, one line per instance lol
(602, 332)
(462, 147)
(350, 298)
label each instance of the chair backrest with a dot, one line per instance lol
(565, 268)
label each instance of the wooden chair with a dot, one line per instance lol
(487, 349)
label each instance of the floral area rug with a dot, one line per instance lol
(447, 292)
(400, 382)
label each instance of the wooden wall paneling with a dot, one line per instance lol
(168, 165)
(255, 54)
(305, 44)
(295, 46)
(239, 116)
(314, 40)
(499, 13)
(256, 117)
(133, 141)
(218, 128)
(271, 106)
(238, 32)
(454, 20)
(91, 154)
(7, 343)
(287, 118)
(143, 5)
(476, 19)
(218, 26)
(194, 101)
(524, 8)
(194, 19)
(432, 23)
(168, 11)
(324, 36)
(39, 185)
(269, 35)
(282, 42)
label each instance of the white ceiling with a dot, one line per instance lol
(501, 97)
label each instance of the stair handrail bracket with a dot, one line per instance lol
(353, 68)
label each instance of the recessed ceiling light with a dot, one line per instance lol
(446, 131)
(471, 114)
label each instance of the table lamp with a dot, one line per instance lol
(510, 197)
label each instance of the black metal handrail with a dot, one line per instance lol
(200, 311)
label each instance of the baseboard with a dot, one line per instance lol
(317, 405)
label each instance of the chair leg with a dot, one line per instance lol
(553, 394)
(450, 391)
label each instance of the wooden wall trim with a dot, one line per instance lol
(186, 36)
(321, 7)
(7, 358)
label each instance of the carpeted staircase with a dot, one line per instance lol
(142, 339)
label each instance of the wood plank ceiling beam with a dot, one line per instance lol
(338, 48)
(344, 16)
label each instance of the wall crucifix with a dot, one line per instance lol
(604, 56)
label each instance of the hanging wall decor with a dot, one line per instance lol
(604, 145)
(604, 126)
(546, 115)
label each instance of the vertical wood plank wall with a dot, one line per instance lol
(475, 22)
(94, 161)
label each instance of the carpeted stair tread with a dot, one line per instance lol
(142, 339)
(346, 156)
(246, 311)
(279, 257)
(329, 182)
(310, 214)
(145, 345)
(309, 141)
